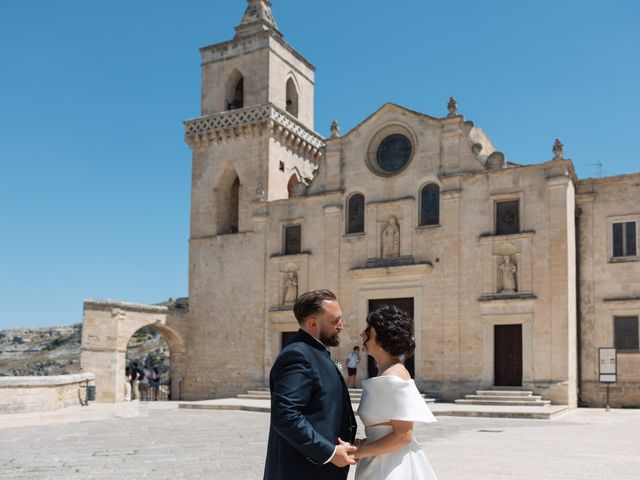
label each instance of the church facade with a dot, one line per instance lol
(516, 275)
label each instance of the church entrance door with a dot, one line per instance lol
(508, 355)
(405, 304)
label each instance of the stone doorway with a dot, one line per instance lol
(508, 355)
(149, 347)
(107, 328)
(405, 304)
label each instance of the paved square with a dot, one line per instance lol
(230, 445)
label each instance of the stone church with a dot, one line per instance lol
(516, 275)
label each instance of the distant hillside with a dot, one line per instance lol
(56, 350)
(40, 351)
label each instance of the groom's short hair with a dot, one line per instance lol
(311, 302)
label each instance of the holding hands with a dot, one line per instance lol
(344, 454)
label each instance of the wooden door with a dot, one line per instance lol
(405, 304)
(508, 355)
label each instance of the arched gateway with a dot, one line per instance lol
(106, 330)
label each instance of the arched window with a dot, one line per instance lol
(292, 98)
(430, 205)
(235, 91)
(355, 213)
(234, 204)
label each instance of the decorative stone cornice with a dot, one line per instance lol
(507, 297)
(109, 305)
(254, 121)
(372, 272)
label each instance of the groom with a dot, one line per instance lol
(310, 405)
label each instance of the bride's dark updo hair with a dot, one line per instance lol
(394, 329)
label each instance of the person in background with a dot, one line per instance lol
(127, 384)
(155, 383)
(135, 382)
(352, 366)
(144, 383)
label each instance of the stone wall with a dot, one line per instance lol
(40, 394)
(609, 286)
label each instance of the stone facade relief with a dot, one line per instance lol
(391, 239)
(507, 274)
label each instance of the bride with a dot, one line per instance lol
(391, 404)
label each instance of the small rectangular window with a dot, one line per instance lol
(507, 217)
(624, 239)
(626, 333)
(292, 239)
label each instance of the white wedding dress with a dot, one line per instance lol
(388, 398)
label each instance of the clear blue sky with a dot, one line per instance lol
(95, 178)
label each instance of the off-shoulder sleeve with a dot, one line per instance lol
(392, 398)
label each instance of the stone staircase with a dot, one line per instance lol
(504, 397)
(264, 394)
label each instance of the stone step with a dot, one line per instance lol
(248, 396)
(506, 398)
(505, 393)
(266, 389)
(259, 395)
(500, 403)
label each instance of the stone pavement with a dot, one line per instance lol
(169, 443)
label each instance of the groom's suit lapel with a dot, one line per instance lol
(309, 340)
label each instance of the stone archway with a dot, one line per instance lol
(107, 327)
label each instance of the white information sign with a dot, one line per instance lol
(608, 368)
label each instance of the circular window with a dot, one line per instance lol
(390, 150)
(393, 153)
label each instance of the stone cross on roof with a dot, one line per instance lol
(257, 18)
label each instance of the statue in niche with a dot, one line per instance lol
(290, 288)
(260, 193)
(508, 270)
(391, 239)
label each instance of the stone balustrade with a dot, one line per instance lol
(40, 394)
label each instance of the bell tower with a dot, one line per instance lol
(254, 140)
(253, 144)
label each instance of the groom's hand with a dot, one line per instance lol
(343, 455)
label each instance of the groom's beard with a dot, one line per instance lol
(330, 340)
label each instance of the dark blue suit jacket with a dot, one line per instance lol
(310, 409)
